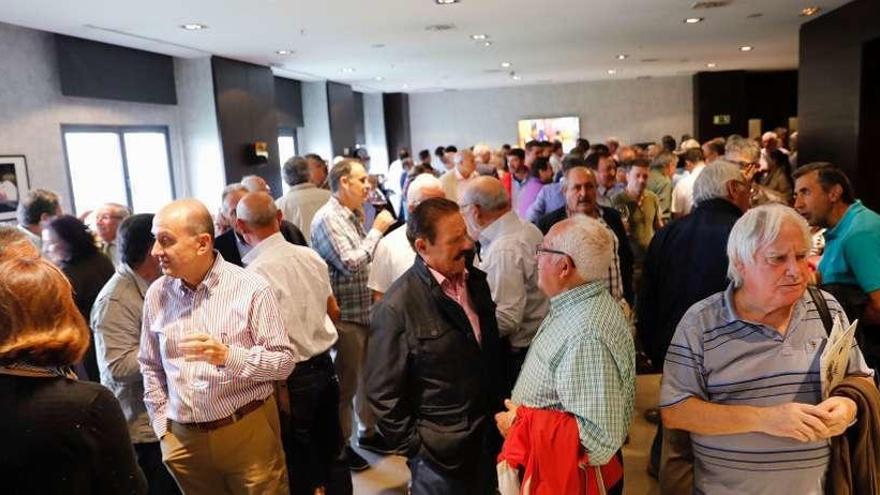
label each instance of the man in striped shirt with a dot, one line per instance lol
(212, 343)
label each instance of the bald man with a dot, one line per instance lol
(255, 183)
(213, 341)
(301, 283)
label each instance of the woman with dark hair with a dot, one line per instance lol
(778, 176)
(69, 244)
(63, 436)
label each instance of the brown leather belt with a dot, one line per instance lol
(228, 420)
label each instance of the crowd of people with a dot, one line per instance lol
(482, 312)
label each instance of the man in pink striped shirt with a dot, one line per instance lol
(212, 343)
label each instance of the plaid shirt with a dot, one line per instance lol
(338, 236)
(582, 361)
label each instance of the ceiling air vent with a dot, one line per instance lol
(649, 60)
(710, 4)
(440, 27)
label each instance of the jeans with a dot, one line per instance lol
(313, 440)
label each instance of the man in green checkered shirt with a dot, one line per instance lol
(582, 360)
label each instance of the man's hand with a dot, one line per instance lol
(203, 347)
(842, 412)
(802, 422)
(383, 220)
(504, 420)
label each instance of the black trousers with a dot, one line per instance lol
(159, 480)
(516, 357)
(313, 438)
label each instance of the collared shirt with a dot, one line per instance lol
(36, 240)
(243, 247)
(300, 204)
(605, 195)
(111, 252)
(659, 184)
(527, 195)
(394, 256)
(301, 284)
(550, 198)
(338, 236)
(236, 308)
(516, 188)
(683, 193)
(718, 357)
(456, 289)
(582, 361)
(642, 214)
(116, 323)
(852, 250)
(507, 255)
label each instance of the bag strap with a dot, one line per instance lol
(821, 307)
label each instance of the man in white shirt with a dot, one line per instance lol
(300, 282)
(683, 194)
(453, 180)
(507, 255)
(394, 255)
(304, 198)
(107, 220)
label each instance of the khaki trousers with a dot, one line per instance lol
(351, 349)
(245, 457)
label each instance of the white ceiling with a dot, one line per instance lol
(546, 41)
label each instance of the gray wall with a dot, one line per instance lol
(33, 110)
(314, 136)
(633, 110)
(374, 129)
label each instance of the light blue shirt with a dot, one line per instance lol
(852, 250)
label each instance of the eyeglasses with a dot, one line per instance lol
(539, 250)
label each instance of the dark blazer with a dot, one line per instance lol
(624, 252)
(686, 263)
(64, 436)
(87, 276)
(226, 245)
(433, 387)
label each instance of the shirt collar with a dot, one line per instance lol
(443, 280)
(212, 278)
(845, 220)
(730, 314)
(264, 245)
(304, 185)
(503, 224)
(575, 295)
(127, 271)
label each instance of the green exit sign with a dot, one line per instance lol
(721, 119)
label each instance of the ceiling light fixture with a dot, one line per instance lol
(611, 72)
(445, 2)
(622, 56)
(284, 52)
(406, 86)
(516, 77)
(478, 37)
(810, 11)
(348, 70)
(711, 65)
(487, 43)
(693, 20)
(506, 64)
(746, 48)
(379, 78)
(193, 27)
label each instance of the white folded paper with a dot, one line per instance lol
(835, 357)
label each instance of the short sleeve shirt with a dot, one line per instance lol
(852, 250)
(718, 357)
(641, 216)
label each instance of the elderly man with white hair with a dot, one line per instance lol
(455, 178)
(742, 374)
(394, 255)
(582, 360)
(107, 220)
(255, 183)
(507, 255)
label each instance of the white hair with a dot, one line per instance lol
(756, 229)
(712, 181)
(422, 183)
(739, 149)
(767, 136)
(481, 148)
(588, 242)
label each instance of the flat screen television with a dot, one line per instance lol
(564, 129)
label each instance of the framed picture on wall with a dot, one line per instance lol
(14, 184)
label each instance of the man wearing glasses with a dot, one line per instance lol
(582, 360)
(107, 220)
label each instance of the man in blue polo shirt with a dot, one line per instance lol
(850, 266)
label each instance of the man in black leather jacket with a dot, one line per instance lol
(433, 365)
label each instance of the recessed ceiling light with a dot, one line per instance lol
(478, 37)
(711, 65)
(348, 70)
(406, 86)
(810, 11)
(284, 52)
(756, 15)
(693, 20)
(745, 48)
(445, 2)
(194, 27)
(622, 56)
(515, 77)
(378, 45)
(506, 64)
(611, 72)
(379, 78)
(487, 43)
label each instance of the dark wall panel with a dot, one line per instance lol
(719, 93)
(360, 134)
(98, 70)
(397, 131)
(288, 101)
(340, 105)
(246, 113)
(772, 97)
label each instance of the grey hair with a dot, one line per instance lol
(229, 189)
(488, 199)
(261, 215)
(250, 182)
(756, 229)
(566, 173)
(712, 181)
(422, 182)
(121, 210)
(739, 149)
(588, 242)
(296, 171)
(663, 159)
